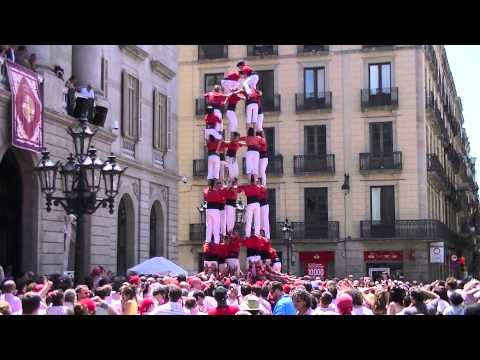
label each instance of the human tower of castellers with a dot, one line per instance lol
(222, 240)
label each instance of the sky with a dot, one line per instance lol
(464, 63)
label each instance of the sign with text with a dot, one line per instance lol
(437, 253)
(27, 108)
(383, 256)
(315, 269)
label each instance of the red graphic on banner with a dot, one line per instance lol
(315, 263)
(27, 108)
(314, 269)
(383, 255)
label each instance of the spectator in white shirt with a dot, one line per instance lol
(457, 305)
(325, 302)
(203, 305)
(31, 304)
(191, 307)
(160, 295)
(87, 92)
(358, 308)
(265, 306)
(9, 290)
(56, 298)
(174, 306)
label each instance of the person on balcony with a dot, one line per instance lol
(70, 94)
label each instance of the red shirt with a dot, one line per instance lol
(251, 242)
(234, 99)
(249, 190)
(213, 144)
(229, 310)
(215, 249)
(247, 70)
(272, 254)
(213, 196)
(222, 250)
(251, 141)
(262, 192)
(254, 97)
(234, 244)
(212, 119)
(262, 144)
(232, 75)
(231, 193)
(206, 248)
(264, 244)
(214, 98)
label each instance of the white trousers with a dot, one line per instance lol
(277, 266)
(252, 113)
(262, 170)
(250, 83)
(222, 267)
(218, 113)
(229, 85)
(233, 171)
(223, 222)
(213, 167)
(260, 122)
(252, 212)
(252, 159)
(214, 133)
(230, 217)
(213, 226)
(232, 121)
(265, 221)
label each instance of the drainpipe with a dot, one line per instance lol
(139, 218)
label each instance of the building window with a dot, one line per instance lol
(270, 137)
(314, 83)
(316, 212)
(208, 52)
(381, 139)
(379, 76)
(382, 211)
(161, 121)
(104, 77)
(210, 80)
(131, 106)
(266, 84)
(315, 140)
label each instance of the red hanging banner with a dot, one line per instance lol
(383, 255)
(27, 108)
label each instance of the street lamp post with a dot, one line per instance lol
(346, 191)
(81, 178)
(287, 230)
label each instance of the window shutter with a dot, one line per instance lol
(124, 106)
(139, 125)
(169, 125)
(156, 114)
(105, 78)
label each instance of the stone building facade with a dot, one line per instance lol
(138, 86)
(332, 110)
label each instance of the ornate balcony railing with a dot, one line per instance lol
(303, 164)
(372, 98)
(379, 47)
(274, 167)
(314, 101)
(210, 52)
(262, 50)
(437, 172)
(310, 231)
(312, 49)
(200, 167)
(384, 161)
(272, 103)
(407, 229)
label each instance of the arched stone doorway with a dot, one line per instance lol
(125, 235)
(18, 212)
(157, 231)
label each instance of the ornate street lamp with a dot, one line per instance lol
(287, 230)
(81, 179)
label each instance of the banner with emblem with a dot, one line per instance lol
(27, 108)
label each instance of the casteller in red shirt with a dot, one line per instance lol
(215, 99)
(212, 119)
(229, 310)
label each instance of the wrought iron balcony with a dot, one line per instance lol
(378, 47)
(303, 164)
(272, 103)
(200, 167)
(275, 230)
(312, 49)
(308, 231)
(274, 167)
(313, 101)
(407, 229)
(197, 232)
(210, 52)
(374, 98)
(437, 172)
(200, 106)
(383, 161)
(262, 50)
